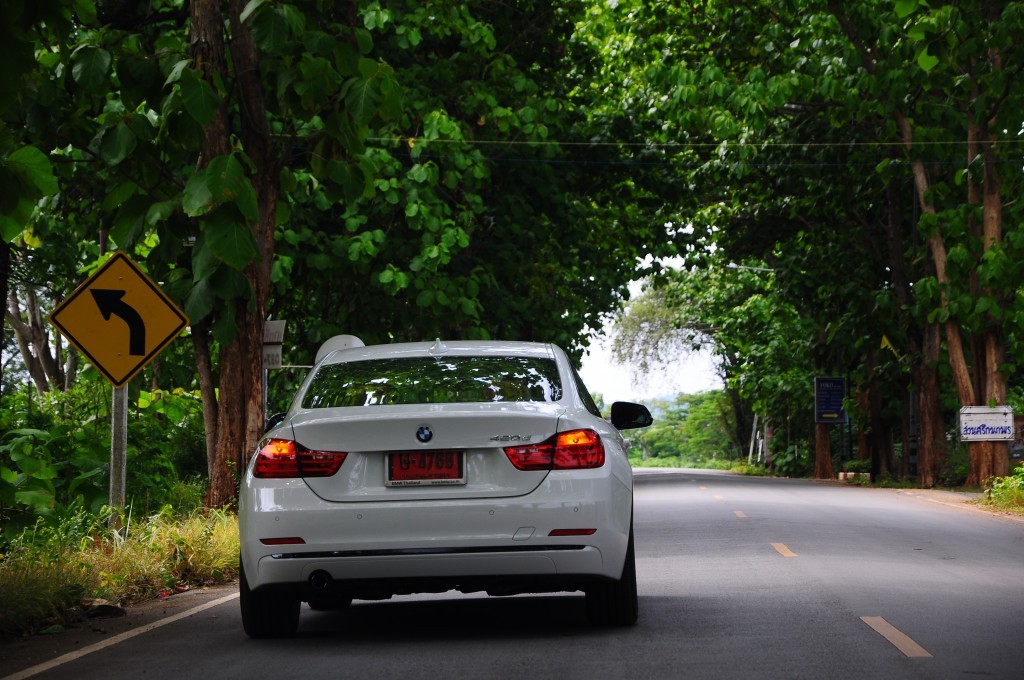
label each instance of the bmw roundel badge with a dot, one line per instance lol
(424, 434)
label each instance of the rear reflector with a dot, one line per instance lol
(283, 458)
(290, 540)
(573, 450)
(572, 532)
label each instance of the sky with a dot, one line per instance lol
(615, 382)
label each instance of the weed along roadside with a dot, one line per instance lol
(52, 576)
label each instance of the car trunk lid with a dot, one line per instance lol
(473, 435)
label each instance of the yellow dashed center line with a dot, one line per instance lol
(898, 638)
(783, 550)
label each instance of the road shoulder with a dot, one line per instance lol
(20, 653)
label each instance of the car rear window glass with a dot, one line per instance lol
(432, 380)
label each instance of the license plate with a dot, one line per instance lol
(425, 468)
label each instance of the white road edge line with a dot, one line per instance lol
(117, 639)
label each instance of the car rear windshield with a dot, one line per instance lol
(431, 380)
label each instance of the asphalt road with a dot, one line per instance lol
(738, 578)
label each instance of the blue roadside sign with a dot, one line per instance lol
(828, 399)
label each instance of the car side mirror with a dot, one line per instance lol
(626, 415)
(273, 421)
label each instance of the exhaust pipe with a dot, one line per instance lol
(319, 580)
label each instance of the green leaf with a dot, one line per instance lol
(249, 8)
(86, 11)
(228, 183)
(199, 98)
(364, 40)
(270, 30)
(905, 8)
(231, 240)
(200, 301)
(35, 166)
(225, 177)
(224, 328)
(176, 71)
(119, 194)
(13, 224)
(926, 61)
(90, 68)
(39, 501)
(349, 178)
(425, 298)
(197, 199)
(129, 222)
(204, 261)
(117, 144)
(159, 212)
(361, 100)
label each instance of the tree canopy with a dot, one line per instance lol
(406, 170)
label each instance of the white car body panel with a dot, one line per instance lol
(494, 527)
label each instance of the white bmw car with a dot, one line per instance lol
(429, 467)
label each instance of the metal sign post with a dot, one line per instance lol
(118, 453)
(273, 338)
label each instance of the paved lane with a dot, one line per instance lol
(738, 578)
(949, 578)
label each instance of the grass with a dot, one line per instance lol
(47, 571)
(682, 462)
(1007, 493)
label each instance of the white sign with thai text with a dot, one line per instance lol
(986, 423)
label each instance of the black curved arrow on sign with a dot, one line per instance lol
(110, 302)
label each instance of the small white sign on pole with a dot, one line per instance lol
(986, 423)
(273, 337)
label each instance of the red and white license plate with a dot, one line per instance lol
(425, 468)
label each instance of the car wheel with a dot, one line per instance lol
(266, 614)
(615, 603)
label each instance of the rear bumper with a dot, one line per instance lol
(375, 549)
(498, 573)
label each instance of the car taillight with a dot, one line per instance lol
(573, 450)
(283, 458)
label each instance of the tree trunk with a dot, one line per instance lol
(24, 335)
(881, 434)
(210, 59)
(207, 389)
(990, 459)
(932, 445)
(240, 409)
(863, 424)
(822, 452)
(5, 274)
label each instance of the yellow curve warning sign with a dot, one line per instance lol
(119, 319)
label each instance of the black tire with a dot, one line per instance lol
(615, 603)
(266, 614)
